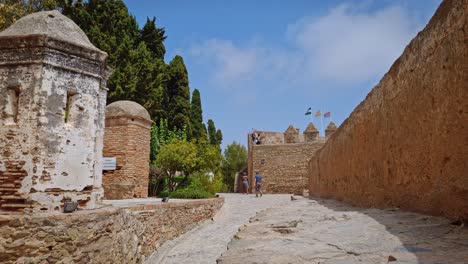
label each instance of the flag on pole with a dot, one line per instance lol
(327, 114)
(309, 111)
(318, 113)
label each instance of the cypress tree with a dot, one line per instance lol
(196, 117)
(111, 28)
(219, 137)
(178, 107)
(212, 137)
(139, 75)
(215, 136)
(154, 38)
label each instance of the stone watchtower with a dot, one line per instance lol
(127, 138)
(291, 135)
(52, 99)
(311, 133)
(331, 128)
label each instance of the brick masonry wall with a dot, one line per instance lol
(282, 166)
(128, 140)
(106, 235)
(406, 144)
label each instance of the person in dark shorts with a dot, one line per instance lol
(245, 183)
(258, 184)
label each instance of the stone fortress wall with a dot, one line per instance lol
(406, 144)
(282, 158)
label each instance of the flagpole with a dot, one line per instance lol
(321, 121)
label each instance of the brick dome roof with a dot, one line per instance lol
(127, 108)
(52, 24)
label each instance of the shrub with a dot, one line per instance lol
(201, 180)
(191, 193)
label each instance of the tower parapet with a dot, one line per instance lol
(291, 135)
(311, 133)
(331, 128)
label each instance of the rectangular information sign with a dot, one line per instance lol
(109, 163)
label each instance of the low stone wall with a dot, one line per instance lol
(406, 144)
(283, 166)
(106, 235)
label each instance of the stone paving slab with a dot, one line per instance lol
(207, 242)
(330, 232)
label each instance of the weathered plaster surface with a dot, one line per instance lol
(52, 148)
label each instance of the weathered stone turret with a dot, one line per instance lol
(291, 135)
(52, 99)
(127, 138)
(311, 133)
(331, 128)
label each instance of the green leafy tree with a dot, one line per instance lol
(235, 159)
(162, 135)
(154, 38)
(178, 156)
(209, 157)
(178, 107)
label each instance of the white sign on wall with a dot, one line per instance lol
(109, 163)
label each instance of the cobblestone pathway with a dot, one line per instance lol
(327, 231)
(205, 243)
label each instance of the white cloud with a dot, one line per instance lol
(352, 46)
(342, 48)
(230, 63)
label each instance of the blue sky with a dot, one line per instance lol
(261, 64)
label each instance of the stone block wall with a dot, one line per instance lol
(406, 144)
(127, 139)
(283, 166)
(106, 235)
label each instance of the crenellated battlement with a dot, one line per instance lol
(282, 157)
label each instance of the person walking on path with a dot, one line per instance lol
(245, 183)
(258, 184)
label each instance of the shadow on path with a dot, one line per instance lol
(430, 239)
(330, 232)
